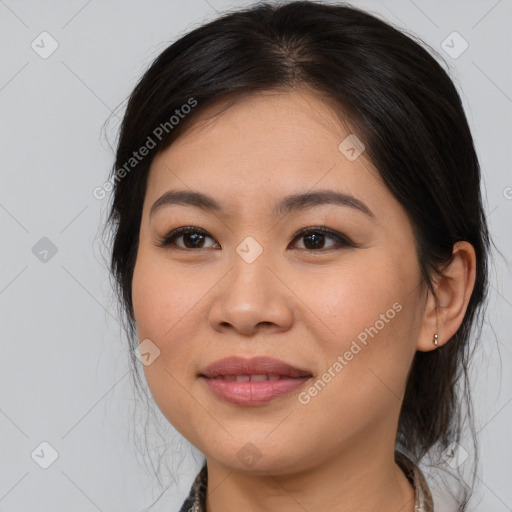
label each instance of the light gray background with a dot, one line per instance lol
(64, 368)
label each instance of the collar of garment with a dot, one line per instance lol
(196, 500)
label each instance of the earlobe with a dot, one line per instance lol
(444, 312)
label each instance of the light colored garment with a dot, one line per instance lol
(196, 501)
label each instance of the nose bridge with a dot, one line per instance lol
(250, 295)
(250, 279)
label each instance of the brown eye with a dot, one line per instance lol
(192, 238)
(315, 239)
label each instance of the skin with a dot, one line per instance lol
(299, 304)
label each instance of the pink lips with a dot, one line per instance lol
(253, 381)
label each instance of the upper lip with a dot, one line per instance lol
(253, 366)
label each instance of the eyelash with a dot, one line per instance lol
(341, 240)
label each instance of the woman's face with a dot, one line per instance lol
(346, 311)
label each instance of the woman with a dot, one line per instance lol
(300, 247)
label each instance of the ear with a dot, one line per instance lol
(445, 311)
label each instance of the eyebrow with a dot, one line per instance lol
(295, 202)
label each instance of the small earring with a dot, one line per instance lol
(436, 339)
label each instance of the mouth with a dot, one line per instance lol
(253, 378)
(252, 382)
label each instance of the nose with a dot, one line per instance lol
(251, 298)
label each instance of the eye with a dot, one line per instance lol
(314, 238)
(193, 238)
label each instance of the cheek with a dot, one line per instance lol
(156, 311)
(167, 309)
(368, 312)
(164, 300)
(363, 294)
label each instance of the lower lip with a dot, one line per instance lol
(253, 393)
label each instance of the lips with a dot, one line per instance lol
(245, 378)
(253, 368)
(252, 382)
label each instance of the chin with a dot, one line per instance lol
(256, 459)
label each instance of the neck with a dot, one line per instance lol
(366, 480)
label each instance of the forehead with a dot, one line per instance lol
(262, 147)
(264, 120)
